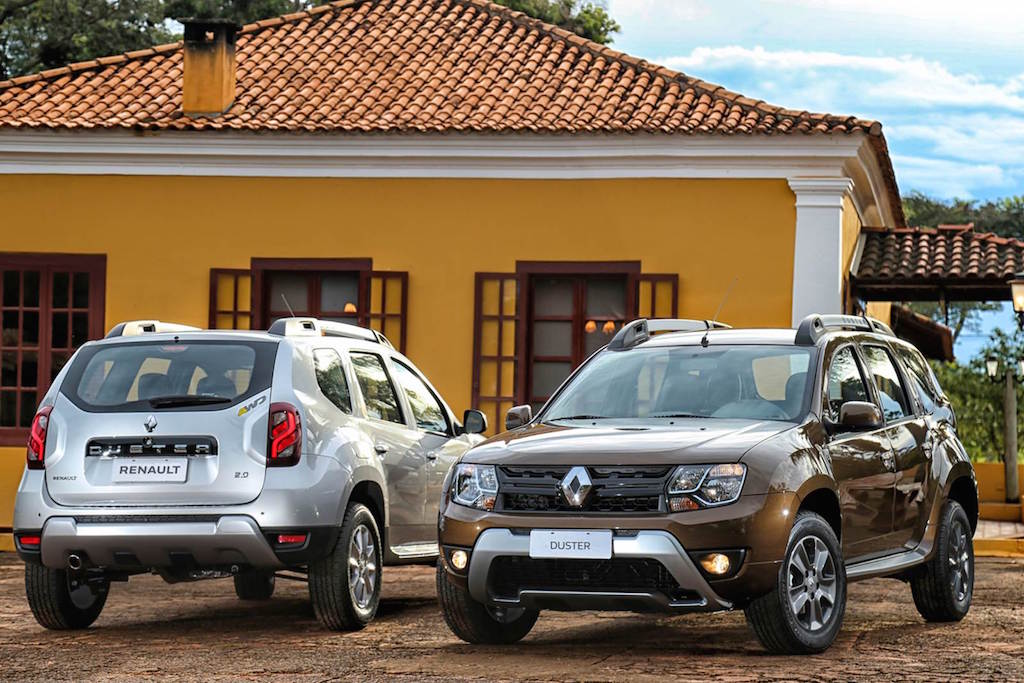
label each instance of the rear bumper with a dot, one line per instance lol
(225, 541)
(653, 545)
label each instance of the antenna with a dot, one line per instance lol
(724, 298)
(287, 305)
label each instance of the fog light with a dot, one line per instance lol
(460, 559)
(716, 563)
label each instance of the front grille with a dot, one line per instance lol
(510, 575)
(616, 490)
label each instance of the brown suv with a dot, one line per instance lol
(707, 468)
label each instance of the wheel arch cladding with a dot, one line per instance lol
(370, 494)
(964, 491)
(824, 502)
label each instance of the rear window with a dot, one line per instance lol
(189, 375)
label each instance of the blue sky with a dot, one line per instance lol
(946, 79)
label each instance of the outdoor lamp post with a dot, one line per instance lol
(1008, 377)
(1017, 295)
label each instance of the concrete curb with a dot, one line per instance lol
(999, 547)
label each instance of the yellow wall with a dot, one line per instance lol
(852, 225)
(163, 234)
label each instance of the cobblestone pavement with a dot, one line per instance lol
(199, 631)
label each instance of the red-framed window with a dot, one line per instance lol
(533, 327)
(50, 304)
(346, 290)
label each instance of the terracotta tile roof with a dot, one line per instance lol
(413, 66)
(954, 253)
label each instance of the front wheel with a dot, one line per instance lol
(804, 613)
(345, 586)
(480, 624)
(62, 601)
(943, 587)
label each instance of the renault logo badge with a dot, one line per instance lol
(150, 423)
(576, 485)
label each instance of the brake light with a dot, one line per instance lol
(37, 439)
(285, 437)
(30, 541)
(291, 539)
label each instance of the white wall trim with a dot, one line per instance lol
(818, 250)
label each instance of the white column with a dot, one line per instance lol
(818, 261)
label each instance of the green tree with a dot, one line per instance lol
(1002, 216)
(242, 11)
(588, 19)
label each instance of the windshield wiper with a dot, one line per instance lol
(186, 400)
(580, 417)
(678, 415)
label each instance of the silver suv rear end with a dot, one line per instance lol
(199, 454)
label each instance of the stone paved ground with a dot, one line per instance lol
(198, 631)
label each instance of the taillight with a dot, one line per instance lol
(285, 437)
(37, 439)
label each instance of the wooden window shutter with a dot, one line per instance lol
(385, 304)
(497, 325)
(230, 299)
(656, 295)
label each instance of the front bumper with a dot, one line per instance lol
(651, 545)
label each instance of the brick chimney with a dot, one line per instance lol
(209, 82)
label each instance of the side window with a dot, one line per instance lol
(375, 385)
(887, 381)
(426, 409)
(920, 377)
(845, 382)
(330, 375)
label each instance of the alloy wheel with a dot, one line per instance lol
(959, 560)
(362, 566)
(812, 584)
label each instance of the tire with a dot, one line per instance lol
(944, 586)
(479, 624)
(254, 585)
(344, 599)
(59, 602)
(794, 627)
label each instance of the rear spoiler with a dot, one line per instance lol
(134, 328)
(639, 331)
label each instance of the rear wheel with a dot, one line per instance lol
(804, 613)
(943, 587)
(61, 600)
(345, 586)
(254, 585)
(480, 624)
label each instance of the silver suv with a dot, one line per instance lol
(314, 447)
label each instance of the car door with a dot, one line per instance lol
(437, 439)
(913, 469)
(861, 461)
(396, 444)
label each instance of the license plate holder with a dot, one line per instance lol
(150, 470)
(575, 544)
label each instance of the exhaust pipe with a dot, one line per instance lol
(74, 562)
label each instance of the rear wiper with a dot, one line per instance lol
(678, 415)
(580, 417)
(186, 400)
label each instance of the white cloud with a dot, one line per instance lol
(946, 178)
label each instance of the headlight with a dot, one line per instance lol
(475, 486)
(695, 486)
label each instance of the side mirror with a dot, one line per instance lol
(474, 422)
(518, 416)
(856, 416)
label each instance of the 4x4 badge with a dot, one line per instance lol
(576, 485)
(150, 423)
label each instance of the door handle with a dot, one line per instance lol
(431, 455)
(381, 448)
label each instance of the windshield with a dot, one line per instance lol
(161, 375)
(740, 381)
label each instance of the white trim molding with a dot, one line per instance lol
(451, 155)
(818, 256)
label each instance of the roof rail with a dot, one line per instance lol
(814, 326)
(133, 328)
(639, 331)
(312, 327)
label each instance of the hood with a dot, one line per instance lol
(687, 441)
